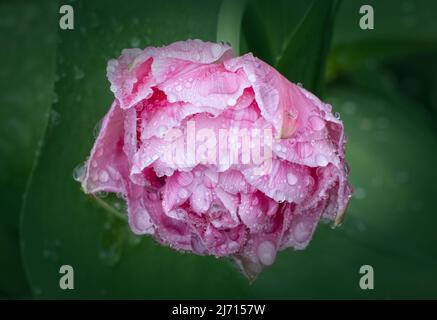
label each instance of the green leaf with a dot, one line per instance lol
(267, 27)
(229, 23)
(401, 30)
(416, 76)
(26, 79)
(303, 57)
(293, 36)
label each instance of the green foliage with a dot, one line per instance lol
(26, 80)
(391, 149)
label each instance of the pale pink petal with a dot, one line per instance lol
(233, 182)
(209, 86)
(130, 77)
(273, 93)
(201, 199)
(107, 163)
(284, 182)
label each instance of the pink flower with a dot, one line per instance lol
(218, 155)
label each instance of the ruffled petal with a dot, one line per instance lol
(207, 85)
(107, 164)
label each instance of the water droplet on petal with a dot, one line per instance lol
(233, 245)
(162, 130)
(321, 160)
(266, 253)
(103, 176)
(171, 98)
(232, 102)
(291, 179)
(317, 123)
(216, 50)
(301, 232)
(252, 78)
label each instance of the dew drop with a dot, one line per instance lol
(316, 123)
(97, 128)
(216, 50)
(103, 176)
(54, 118)
(346, 168)
(171, 98)
(301, 232)
(79, 172)
(233, 245)
(111, 254)
(291, 179)
(266, 252)
(179, 88)
(321, 160)
(135, 42)
(78, 73)
(101, 194)
(232, 102)
(55, 98)
(278, 147)
(161, 130)
(252, 78)
(360, 193)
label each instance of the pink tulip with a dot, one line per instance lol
(218, 155)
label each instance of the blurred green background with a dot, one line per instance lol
(383, 82)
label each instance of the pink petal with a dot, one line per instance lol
(201, 199)
(284, 182)
(106, 165)
(207, 85)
